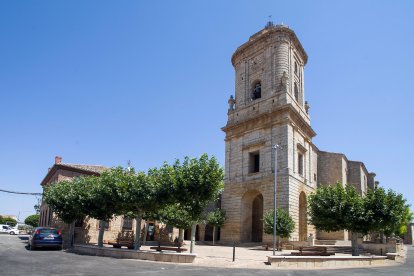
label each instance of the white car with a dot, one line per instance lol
(13, 231)
(7, 229)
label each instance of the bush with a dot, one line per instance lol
(32, 220)
(8, 221)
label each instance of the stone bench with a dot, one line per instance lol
(118, 243)
(312, 251)
(169, 247)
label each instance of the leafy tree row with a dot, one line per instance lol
(32, 220)
(8, 221)
(175, 193)
(334, 208)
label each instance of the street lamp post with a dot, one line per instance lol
(275, 148)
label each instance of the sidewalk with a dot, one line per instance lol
(222, 256)
(247, 257)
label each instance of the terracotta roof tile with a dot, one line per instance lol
(90, 168)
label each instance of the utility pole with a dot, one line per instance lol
(275, 148)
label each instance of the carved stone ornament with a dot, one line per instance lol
(232, 103)
(307, 107)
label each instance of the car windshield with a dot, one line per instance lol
(48, 231)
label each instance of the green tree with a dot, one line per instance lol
(101, 200)
(334, 208)
(216, 218)
(197, 182)
(32, 220)
(176, 216)
(8, 221)
(65, 198)
(284, 223)
(142, 194)
(407, 217)
(388, 212)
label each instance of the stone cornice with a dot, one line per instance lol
(266, 120)
(264, 34)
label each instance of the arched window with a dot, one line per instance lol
(296, 92)
(257, 90)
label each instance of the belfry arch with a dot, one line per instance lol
(252, 216)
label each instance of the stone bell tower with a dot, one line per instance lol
(269, 108)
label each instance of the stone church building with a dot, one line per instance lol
(269, 108)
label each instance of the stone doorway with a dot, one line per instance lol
(252, 217)
(187, 234)
(303, 217)
(257, 219)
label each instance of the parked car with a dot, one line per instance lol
(45, 237)
(13, 231)
(4, 228)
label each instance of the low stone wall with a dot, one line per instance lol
(132, 254)
(382, 248)
(322, 261)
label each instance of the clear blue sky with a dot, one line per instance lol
(103, 82)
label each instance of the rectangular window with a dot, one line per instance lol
(300, 164)
(254, 162)
(127, 224)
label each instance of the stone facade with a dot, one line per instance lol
(268, 109)
(273, 59)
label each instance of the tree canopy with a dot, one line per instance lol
(216, 218)
(65, 198)
(8, 221)
(177, 193)
(175, 216)
(334, 208)
(32, 220)
(387, 211)
(284, 223)
(197, 182)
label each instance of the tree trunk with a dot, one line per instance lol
(101, 233)
(278, 244)
(144, 239)
(354, 241)
(71, 233)
(382, 237)
(137, 242)
(214, 233)
(180, 235)
(193, 231)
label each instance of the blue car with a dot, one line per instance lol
(45, 237)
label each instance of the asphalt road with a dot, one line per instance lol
(15, 259)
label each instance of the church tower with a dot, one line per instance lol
(269, 108)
